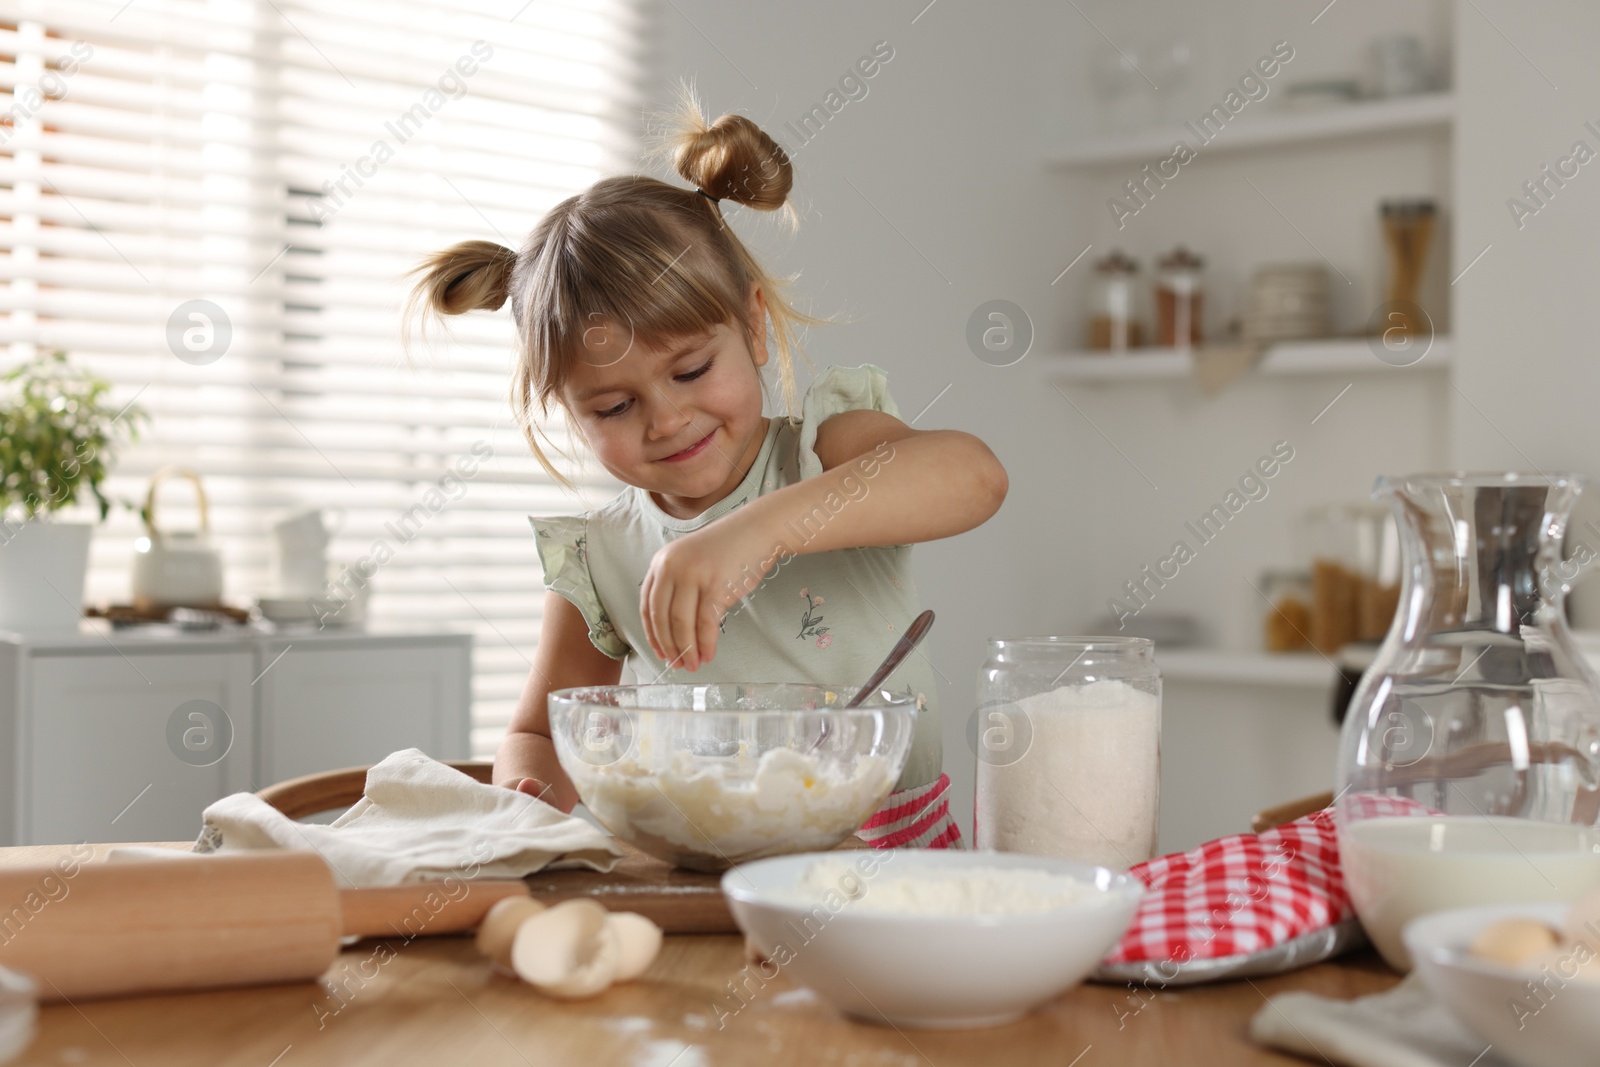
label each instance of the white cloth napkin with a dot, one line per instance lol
(1403, 1027)
(420, 820)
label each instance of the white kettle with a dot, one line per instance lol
(173, 568)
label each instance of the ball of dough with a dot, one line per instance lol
(570, 950)
(499, 927)
(640, 941)
(1513, 941)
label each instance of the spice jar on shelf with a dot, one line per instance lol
(1355, 574)
(1113, 319)
(1286, 624)
(1179, 298)
(1407, 233)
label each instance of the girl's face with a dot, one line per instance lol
(682, 419)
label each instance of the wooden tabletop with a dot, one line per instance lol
(430, 1001)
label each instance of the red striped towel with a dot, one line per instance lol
(918, 817)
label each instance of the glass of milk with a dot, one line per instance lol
(1068, 738)
(1469, 765)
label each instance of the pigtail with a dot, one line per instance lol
(467, 276)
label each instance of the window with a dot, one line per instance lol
(213, 203)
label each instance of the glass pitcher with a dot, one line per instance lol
(1468, 761)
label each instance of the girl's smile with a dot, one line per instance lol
(692, 451)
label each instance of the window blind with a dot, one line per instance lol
(213, 203)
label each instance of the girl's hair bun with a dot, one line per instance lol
(731, 159)
(467, 276)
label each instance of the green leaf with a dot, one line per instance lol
(59, 434)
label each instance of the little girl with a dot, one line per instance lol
(745, 548)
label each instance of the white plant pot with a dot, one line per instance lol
(42, 569)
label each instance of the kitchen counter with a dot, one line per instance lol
(434, 1001)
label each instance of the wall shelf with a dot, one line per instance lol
(1300, 670)
(1271, 129)
(1335, 356)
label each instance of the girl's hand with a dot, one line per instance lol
(692, 584)
(531, 786)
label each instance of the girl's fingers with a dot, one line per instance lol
(533, 787)
(644, 611)
(682, 614)
(655, 606)
(706, 644)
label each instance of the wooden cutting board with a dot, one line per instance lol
(677, 900)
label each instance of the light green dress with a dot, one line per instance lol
(826, 618)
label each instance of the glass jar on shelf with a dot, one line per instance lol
(1180, 299)
(1354, 552)
(1286, 623)
(1113, 315)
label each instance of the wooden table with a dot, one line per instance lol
(435, 1001)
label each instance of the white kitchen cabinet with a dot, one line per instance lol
(98, 763)
(341, 707)
(127, 736)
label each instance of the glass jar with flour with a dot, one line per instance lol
(1068, 739)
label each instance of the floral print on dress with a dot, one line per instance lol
(809, 620)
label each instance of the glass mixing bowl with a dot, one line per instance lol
(707, 776)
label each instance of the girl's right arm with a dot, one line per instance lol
(565, 657)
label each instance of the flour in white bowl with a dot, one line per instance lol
(963, 891)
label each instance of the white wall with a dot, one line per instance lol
(931, 196)
(1527, 309)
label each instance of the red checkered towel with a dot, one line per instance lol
(1247, 904)
(918, 817)
(1240, 905)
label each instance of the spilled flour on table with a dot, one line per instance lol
(630, 1026)
(671, 1054)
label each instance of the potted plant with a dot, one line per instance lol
(58, 436)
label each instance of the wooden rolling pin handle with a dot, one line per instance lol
(419, 909)
(148, 926)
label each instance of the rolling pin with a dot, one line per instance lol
(199, 922)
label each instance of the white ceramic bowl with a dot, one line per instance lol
(929, 971)
(1561, 1029)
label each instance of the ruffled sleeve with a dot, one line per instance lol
(564, 553)
(835, 390)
